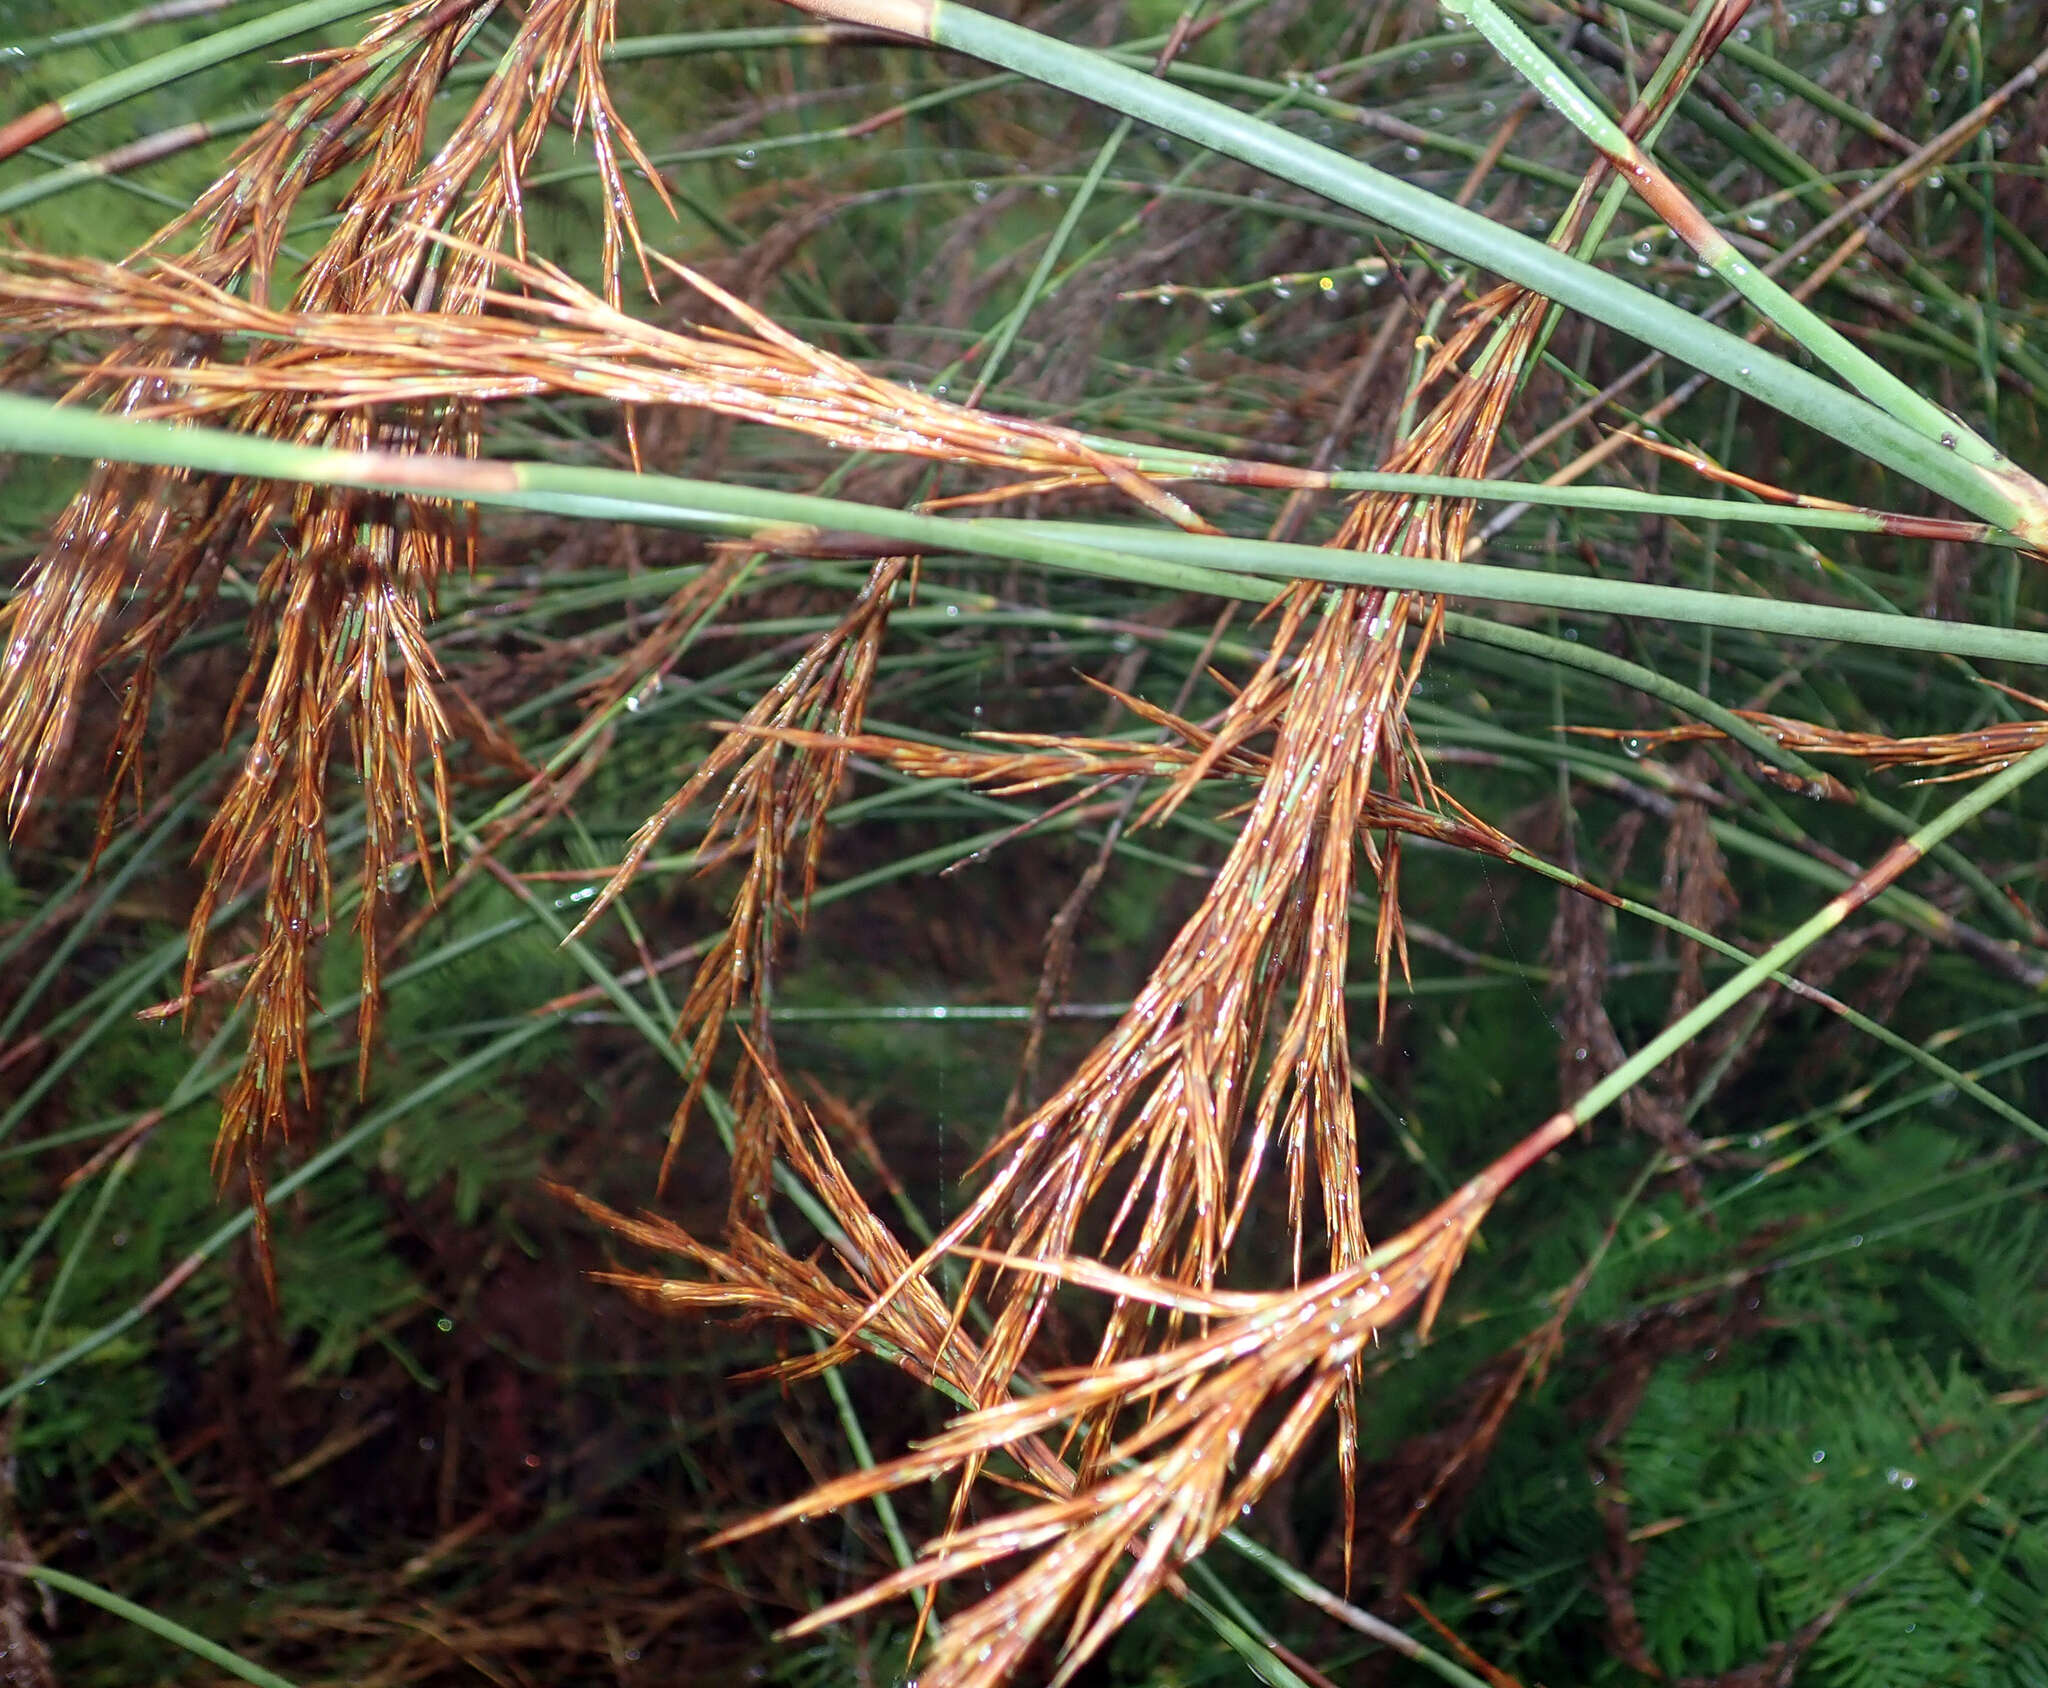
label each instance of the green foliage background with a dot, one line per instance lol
(1806, 1380)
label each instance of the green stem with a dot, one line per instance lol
(2001, 496)
(1830, 345)
(1804, 936)
(83, 35)
(1173, 561)
(1013, 323)
(165, 68)
(157, 1624)
(1485, 582)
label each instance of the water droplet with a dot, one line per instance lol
(1633, 746)
(981, 192)
(746, 158)
(1819, 1454)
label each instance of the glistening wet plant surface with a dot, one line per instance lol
(1130, 846)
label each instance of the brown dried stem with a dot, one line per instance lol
(1946, 757)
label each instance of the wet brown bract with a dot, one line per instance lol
(345, 581)
(1138, 1178)
(1191, 1443)
(556, 337)
(1937, 757)
(770, 813)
